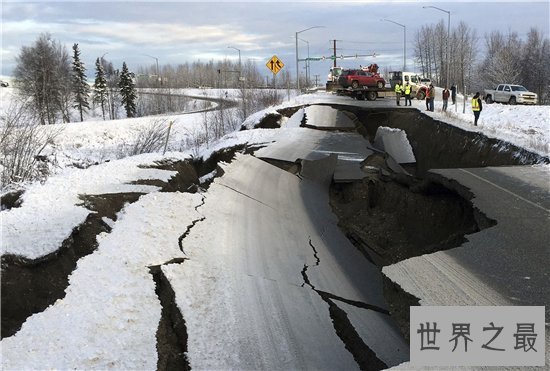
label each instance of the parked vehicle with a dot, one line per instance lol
(425, 81)
(334, 73)
(509, 93)
(4, 84)
(418, 89)
(359, 78)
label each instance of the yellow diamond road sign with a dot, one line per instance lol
(275, 64)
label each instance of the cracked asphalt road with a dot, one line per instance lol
(258, 311)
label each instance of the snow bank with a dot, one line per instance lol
(49, 211)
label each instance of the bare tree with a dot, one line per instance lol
(42, 74)
(463, 55)
(22, 142)
(502, 61)
(535, 64)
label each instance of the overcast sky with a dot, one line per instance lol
(178, 31)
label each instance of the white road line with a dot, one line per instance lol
(506, 190)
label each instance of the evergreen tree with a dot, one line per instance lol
(127, 91)
(81, 89)
(100, 86)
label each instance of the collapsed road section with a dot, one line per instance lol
(242, 291)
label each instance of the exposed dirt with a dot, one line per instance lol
(10, 200)
(172, 331)
(25, 289)
(437, 145)
(387, 216)
(394, 221)
(185, 180)
(273, 120)
(270, 121)
(289, 111)
(400, 303)
(226, 155)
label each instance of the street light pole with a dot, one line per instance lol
(404, 42)
(241, 83)
(307, 62)
(297, 67)
(240, 70)
(448, 39)
(157, 60)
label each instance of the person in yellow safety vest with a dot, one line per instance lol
(408, 94)
(477, 107)
(398, 92)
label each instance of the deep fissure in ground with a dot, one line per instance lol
(392, 216)
(364, 356)
(172, 331)
(25, 291)
(30, 286)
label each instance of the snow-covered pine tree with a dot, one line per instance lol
(100, 86)
(127, 91)
(81, 89)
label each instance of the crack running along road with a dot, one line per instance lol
(241, 290)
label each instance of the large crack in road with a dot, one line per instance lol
(364, 356)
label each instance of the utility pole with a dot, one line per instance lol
(334, 52)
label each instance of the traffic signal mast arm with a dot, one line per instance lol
(333, 57)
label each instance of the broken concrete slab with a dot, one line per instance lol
(327, 118)
(309, 144)
(395, 143)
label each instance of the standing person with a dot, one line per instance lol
(445, 95)
(408, 94)
(428, 99)
(397, 93)
(432, 97)
(453, 93)
(477, 107)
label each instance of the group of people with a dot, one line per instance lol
(405, 90)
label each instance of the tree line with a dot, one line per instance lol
(51, 85)
(507, 58)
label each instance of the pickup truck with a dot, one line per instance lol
(509, 93)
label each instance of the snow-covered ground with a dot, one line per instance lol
(109, 316)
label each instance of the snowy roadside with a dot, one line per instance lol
(524, 126)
